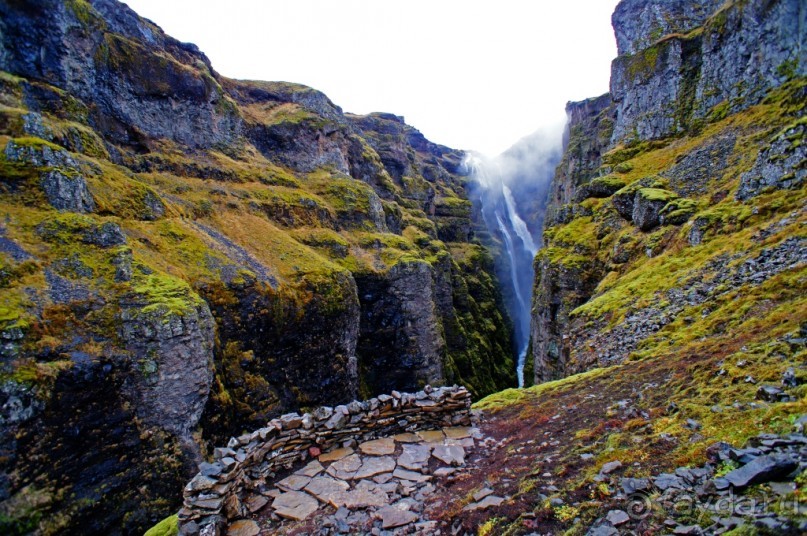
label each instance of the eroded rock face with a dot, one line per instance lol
(209, 284)
(164, 95)
(639, 23)
(780, 165)
(588, 133)
(662, 88)
(400, 346)
(173, 354)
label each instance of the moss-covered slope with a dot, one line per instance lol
(183, 256)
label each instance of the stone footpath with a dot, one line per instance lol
(375, 487)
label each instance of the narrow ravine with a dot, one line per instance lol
(509, 190)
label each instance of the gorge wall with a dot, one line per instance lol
(184, 257)
(667, 198)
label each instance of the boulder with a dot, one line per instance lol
(647, 206)
(762, 469)
(67, 191)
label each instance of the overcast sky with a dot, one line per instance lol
(469, 74)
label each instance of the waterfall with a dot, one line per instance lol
(510, 192)
(501, 216)
(521, 299)
(518, 224)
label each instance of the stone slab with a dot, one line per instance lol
(345, 468)
(295, 505)
(375, 465)
(406, 437)
(243, 527)
(311, 470)
(482, 493)
(449, 454)
(487, 502)
(358, 499)
(378, 447)
(325, 488)
(412, 476)
(414, 457)
(431, 436)
(392, 517)
(335, 455)
(293, 482)
(458, 432)
(256, 502)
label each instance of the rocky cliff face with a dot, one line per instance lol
(184, 256)
(669, 200)
(682, 62)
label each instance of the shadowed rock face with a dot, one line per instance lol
(399, 344)
(195, 255)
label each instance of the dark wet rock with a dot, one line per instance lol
(106, 235)
(744, 455)
(65, 291)
(633, 485)
(771, 393)
(762, 469)
(647, 206)
(718, 452)
(692, 424)
(399, 340)
(174, 353)
(789, 379)
(602, 528)
(695, 171)
(123, 265)
(667, 481)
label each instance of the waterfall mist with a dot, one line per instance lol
(510, 192)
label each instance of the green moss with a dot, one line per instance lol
(788, 69)
(165, 295)
(326, 240)
(167, 527)
(509, 397)
(657, 194)
(719, 111)
(643, 63)
(452, 206)
(83, 11)
(610, 182)
(679, 210)
(38, 143)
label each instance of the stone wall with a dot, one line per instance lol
(215, 494)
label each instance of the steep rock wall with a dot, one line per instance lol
(700, 65)
(701, 97)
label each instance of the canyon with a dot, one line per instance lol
(185, 258)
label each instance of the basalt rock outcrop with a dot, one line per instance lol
(693, 158)
(198, 255)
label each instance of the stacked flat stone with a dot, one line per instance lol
(214, 495)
